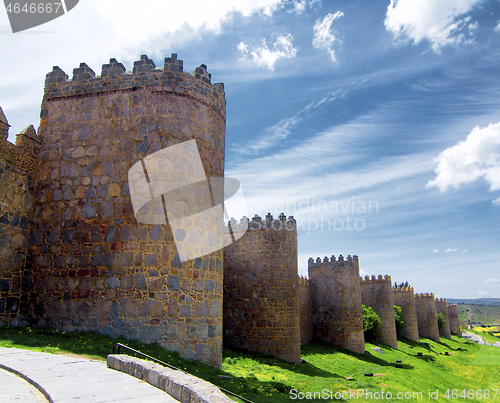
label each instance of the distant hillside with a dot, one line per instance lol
(478, 301)
(484, 314)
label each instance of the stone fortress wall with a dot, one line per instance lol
(19, 166)
(74, 257)
(305, 311)
(405, 299)
(377, 294)
(95, 267)
(427, 316)
(454, 322)
(261, 289)
(442, 307)
(336, 302)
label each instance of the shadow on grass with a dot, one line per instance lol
(370, 356)
(303, 368)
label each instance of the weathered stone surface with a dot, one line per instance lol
(261, 311)
(84, 236)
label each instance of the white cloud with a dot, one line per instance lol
(323, 37)
(476, 157)
(464, 251)
(435, 251)
(451, 250)
(491, 281)
(123, 29)
(300, 6)
(263, 56)
(498, 27)
(436, 21)
(148, 20)
(473, 26)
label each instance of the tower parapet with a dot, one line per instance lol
(405, 299)
(261, 289)
(427, 316)
(454, 322)
(376, 292)
(162, 81)
(336, 302)
(442, 307)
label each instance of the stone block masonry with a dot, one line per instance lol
(305, 310)
(93, 266)
(261, 290)
(405, 299)
(336, 302)
(377, 294)
(18, 171)
(442, 307)
(454, 322)
(181, 386)
(427, 316)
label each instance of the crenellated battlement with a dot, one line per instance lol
(333, 262)
(403, 289)
(268, 223)
(24, 155)
(425, 296)
(442, 300)
(114, 77)
(303, 281)
(376, 280)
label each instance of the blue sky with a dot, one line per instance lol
(376, 124)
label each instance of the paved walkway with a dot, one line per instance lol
(67, 379)
(478, 339)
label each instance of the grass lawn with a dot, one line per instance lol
(265, 379)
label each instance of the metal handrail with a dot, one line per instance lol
(118, 346)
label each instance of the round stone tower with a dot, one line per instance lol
(261, 297)
(97, 264)
(336, 302)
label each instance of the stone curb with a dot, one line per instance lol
(181, 386)
(29, 380)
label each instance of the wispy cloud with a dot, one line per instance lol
(435, 251)
(436, 21)
(476, 157)
(278, 132)
(491, 281)
(271, 136)
(323, 37)
(267, 57)
(451, 250)
(464, 251)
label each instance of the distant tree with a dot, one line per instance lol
(371, 323)
(441, 321)
(398, 316)
(402, 285)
